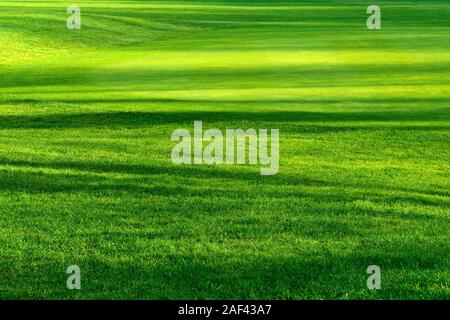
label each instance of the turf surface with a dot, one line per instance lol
(86, 176)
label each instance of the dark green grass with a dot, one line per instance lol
(86, 176)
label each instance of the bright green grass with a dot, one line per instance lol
(86, 176)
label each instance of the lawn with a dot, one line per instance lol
(86, 176)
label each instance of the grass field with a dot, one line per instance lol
(86, 176)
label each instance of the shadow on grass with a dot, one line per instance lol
(265, 274)
(297, 76)
(158, 180)
(149, 119)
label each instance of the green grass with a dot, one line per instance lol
(86, 176)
